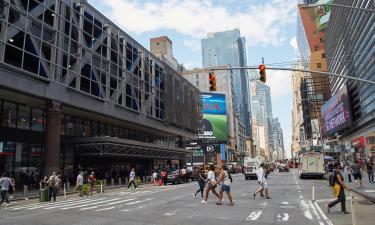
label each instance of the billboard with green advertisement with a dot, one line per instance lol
(322, 13)
(215, 124)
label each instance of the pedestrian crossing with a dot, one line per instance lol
(88, 204)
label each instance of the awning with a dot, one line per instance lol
(110, 146)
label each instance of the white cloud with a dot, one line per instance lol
(280, 84)
(193, 44)
(293, 43)
(259, 23)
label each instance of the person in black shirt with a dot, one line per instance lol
(338, 190)
(370, 171)
(201, 181)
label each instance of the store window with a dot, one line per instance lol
(9, 114)
(7, 153)
(86, 128)
(23, 118)
(37, 119)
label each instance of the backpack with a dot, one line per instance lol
(331, 179)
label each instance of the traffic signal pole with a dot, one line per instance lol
(298, 70)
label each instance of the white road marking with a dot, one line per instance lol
(285, 203)
(328, 221)
(75, 203)
(170, 213)
(300, 196)
(283, 217)
(108, 204)
(136, 202)
(105, 209)
(44, 204)
(306, 210)
(370, 191)
(254, 215)
(91, 203)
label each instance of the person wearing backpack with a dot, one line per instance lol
(338, 185)
(52, 181)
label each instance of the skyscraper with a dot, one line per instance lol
(229, 48)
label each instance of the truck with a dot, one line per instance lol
(311, 165)
(251, 166)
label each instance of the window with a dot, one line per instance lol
(323, 55)
(316, 47)
(319, 65)
(37, 120)
(9, 114)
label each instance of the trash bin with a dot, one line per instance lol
(43, 195)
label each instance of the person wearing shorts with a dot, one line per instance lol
(225, 183)
(262, 181)
(357, 174)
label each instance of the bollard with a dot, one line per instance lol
(119, 181)
(25, 191)
(64, 192)
(313, 192)
(101, 187)
(352, 206)
(126, 180)
(68, 185)
(143, 179)
(112, 181)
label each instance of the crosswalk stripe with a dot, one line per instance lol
(43, 203)
(75, 203)
(136, 202)
(105, 209)
(108, 204)
(90, 203)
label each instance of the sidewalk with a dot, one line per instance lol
(368, 188)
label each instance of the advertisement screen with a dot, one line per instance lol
(214, 125)
(336, 113)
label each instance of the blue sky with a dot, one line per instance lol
(268, 25)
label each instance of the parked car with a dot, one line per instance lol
(173, 177)
(283, 168)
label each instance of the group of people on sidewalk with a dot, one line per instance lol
(357, 169)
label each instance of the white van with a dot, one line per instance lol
(251, 166)
(311, 165)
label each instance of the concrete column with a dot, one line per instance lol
(52, 138)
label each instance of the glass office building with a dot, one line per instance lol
(77, 92)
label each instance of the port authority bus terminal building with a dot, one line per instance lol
(76, 92)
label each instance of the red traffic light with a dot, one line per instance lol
(212, 81)
(262, 73)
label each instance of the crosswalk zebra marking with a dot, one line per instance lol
(136, 202)
(105, 209)
(91, 203)
(75, 203)
(44, 204)
(108, 204)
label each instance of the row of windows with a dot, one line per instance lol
(21, 116)
(79, 127)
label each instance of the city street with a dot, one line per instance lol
(175, 204)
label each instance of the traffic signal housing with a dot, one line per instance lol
(212, 81)
(262, 73)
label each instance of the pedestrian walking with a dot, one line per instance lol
(79, 183)
(183, 175)
(201, 179)
(225, 182)
(338, 190)
(370, 170)
(357, 174)
(163, 175)
(262, 181)
(12, 187)
(5, 183)
(348, 171)
(52, 180)
(132, 179)
(155, 177)
(58, 185)
(211, 184)
(91, 180)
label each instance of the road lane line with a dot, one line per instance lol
(75, 203)
(105, 209)
(328, 221)
(254, 215)
(136, 202)
(91, 203)
(108, 204)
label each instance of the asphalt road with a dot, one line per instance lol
(175, 204)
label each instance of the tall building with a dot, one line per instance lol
(229, 48)
(78, 93)
(261, 111)
(161, 47)
(311, 25)
(276, 140)
(352, 54)
(236, 139)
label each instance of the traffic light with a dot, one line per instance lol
(262, 73)
(212, 80)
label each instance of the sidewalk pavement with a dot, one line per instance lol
(368, 188)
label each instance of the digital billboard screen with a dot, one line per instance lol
(336, 113)
(215, 124)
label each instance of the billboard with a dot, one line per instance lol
(215, 123)
(321, 13)
(336, 113)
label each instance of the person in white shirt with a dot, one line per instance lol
(80, 183)
(262, 181)
(225, 182)
(132, 179)
(155, 177)
(211, 184)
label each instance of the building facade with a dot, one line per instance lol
(314, 88)
(78, 93)
(261, 105)
(276, 140)
(236, 130)
(229, 48)
(352, 54)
